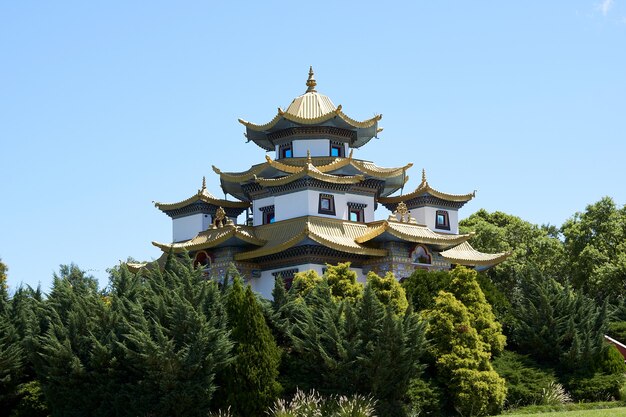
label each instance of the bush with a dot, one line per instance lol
(424, 397)
(617, 330)
(612, 361)
(599, 387)
(525, 380)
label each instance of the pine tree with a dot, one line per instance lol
(251, 379)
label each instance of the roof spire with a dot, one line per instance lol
(203, 183)
(311, 83)
(423, 175)
(308, 156)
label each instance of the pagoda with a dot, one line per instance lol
(314, 204)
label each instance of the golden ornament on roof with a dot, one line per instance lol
(311, 83)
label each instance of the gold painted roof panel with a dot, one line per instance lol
(465, 254)
(214, 237)
(333, 233)
(202, 195)
(410, 232)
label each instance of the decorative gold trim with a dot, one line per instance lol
(312, 121)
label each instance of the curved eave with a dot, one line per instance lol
(212, 238)
(425, 189)
(267, 127)
(411, 233)
(240, 176)
(204, 196)
(465, 254)
(310, 171)
(332, 233)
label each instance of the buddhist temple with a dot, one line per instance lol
(310, 203)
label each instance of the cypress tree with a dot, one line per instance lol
(250, 381)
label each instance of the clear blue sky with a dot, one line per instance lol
(107, 106)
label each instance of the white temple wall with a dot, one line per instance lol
(265, 284)
(258, 214)
(426, 216)
(306, 203)
(185, 228)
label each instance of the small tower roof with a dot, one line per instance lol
(311, 108)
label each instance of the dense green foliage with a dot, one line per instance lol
(250, 380)
(170, 342)
(464, 334)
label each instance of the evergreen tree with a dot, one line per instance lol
(464, 286)
(342, 281)
(250, 381)
(388, 291)
(462, 359)
(303, 282)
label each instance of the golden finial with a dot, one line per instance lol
(423, 175)
(220, 215)
(203, 183)
(403, 211)
(311, 83)
(308, 157)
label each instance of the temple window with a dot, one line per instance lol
(356, 212)
(337, 149)
(442, 220)
(201, 259)
(420, 255)
(268, 214)
(287, 276)
(286, 151)
(326, 204)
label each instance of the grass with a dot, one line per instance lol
(605, 412)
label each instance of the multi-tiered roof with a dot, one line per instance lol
(327, 236)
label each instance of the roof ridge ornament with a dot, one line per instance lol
(424, 176)
(203, 184)
(310, 82)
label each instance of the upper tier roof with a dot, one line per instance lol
(311, 108)
(331, 170)
(203, 196)
(423, 190)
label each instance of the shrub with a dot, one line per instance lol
(617, 330)
(599, 387)
(312, 404)
(424, 397)
(612, 361)
(554, 394)
(525, 380)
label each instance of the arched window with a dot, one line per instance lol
(202, 258)
(420, 255)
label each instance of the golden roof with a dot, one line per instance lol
(465, 254)
(311, 108)
(213, 237)
(202, 195)
(423, 189)
(325, 165)
(332, 233)
(309, 170)
(411, 232)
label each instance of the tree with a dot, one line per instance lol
(423, 286)
(531, 247)
(303, 282)
(462, 359)
(251, 384)
(464, 286)
(388, 291)
(342, 281)
(558, 326)
(595, 246)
